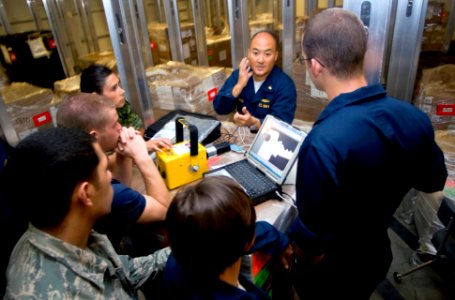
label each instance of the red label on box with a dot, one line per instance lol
(42, 118)
(51, 43)
(212, 94)
(445, 109)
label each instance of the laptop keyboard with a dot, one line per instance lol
(255, 183)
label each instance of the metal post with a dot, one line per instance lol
(288, 36)
(144, 35)
(405, 51)
(378, 19)
(238, 22)
(83, 9)
(173, 29)
(126, 41)
(57, 24)
(32, 8)
(4, 19)
(199, 28)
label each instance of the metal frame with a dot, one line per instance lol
(238, 23)
(144, 35)
(58, 27)
(199, 28)
(405, 50)
(310, 7)
(379, 36)
(288, 35)
(4, 19)
(173, 29)
(126, 40)
(88, 28)
(32, 8)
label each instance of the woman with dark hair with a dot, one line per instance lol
(102, 80)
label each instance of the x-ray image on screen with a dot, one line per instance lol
(275, 147)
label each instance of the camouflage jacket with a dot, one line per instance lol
(127, 117)
(44, 267)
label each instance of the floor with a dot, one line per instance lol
(423, 284)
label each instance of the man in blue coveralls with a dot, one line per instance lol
(258, 87)
(365, 152)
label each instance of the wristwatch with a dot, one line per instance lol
(254, 128)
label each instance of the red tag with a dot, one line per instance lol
(445, 109)
(51, 43)
(212, 94)
(42, 118)
(152, 45)
(12, 56)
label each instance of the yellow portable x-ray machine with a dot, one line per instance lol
(184, 162)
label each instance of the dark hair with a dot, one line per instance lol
(338, 39)
(210, 224)
(93, 78)
(271, 33)
(84, 111)
(44, 169)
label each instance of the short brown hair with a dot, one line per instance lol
(210, 226)
(338, 39)
(84, 111)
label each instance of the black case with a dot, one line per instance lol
(155, 127)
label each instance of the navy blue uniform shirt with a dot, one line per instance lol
(364, 153)
(276, 96)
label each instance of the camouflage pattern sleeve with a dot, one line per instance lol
(127, 117)
(141, 268)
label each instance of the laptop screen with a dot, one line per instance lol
(275, 148)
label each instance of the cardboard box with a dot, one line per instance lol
(436, 96)
(27, 108)
(175, 85)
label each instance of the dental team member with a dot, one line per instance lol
(258, 87)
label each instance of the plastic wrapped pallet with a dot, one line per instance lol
(437, 96)
(66, 86)
(105, 58)
(446, 140)
(426, 220)
(176, 85)
(28, 108)
(427, 205)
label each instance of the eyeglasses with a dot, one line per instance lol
(302, 60)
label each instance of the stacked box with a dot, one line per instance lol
(66, 86)
(105, 58)
(161, 50)
(219, 50)
(446, 140)
(434, 31)
(28, 108)
(310, 101)
(175, 85)
(436, 96)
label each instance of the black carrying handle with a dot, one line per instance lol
(193, 135)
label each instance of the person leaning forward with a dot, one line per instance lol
(97, 115)
(68, 190)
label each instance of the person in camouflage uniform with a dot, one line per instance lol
(60, 256)
(128, 118)
(103, 81)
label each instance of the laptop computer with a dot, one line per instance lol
(268, 162)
